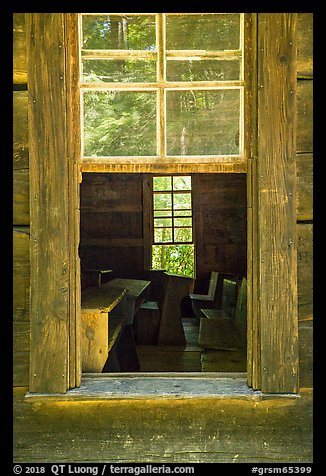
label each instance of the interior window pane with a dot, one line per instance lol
(182, 200)
(203, 32)
(125, 32)
(177, 259)
(182, 235)
(182, 213)
(162, 183)
(183, 221)
(163, 222)
(162, 235)
(203, 70)
(182, 183)
(162, 201)
(162, 213)
(203, 122)
(119, 123)
(123, 71)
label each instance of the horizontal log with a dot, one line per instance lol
(304, 186)
(305, 270)
(175, 431)
(112, 242)
(305, 116)
(113, 225)
(21, 274)
(21, 197)
(19, 49)
(20, 130)
(21, 369)
(305, 45)
(21, 237)
(306, 355)
(21, 340)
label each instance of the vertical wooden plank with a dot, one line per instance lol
(277, 201)
(49, 251)
(73, 155)
(250, 149)
(147, 220)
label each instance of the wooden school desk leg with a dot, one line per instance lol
(126, 351)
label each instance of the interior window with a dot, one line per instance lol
(173, 247)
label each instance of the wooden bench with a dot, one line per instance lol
(226, 328)
(213, 298)
(160, 322)
(98, 331)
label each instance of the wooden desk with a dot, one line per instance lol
(97, 338)
(137, 293)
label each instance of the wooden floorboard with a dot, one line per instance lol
(189, 358)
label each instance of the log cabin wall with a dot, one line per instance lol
(21, 218)
(305, 194)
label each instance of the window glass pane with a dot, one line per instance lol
(182, 183)
(123, 71)
(165, 222)
(205, 70)
(162, 235)
(177, 259)
(162, 213)
(203, 122)
(162, 183)
(119, 123)
(182, 200)
(203, 32)
(162, 201)
(182, 213)
(125, 32)
(183, 221)
(182, 234)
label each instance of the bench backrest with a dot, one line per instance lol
(229, 296)
(241, 311)
(212, 284)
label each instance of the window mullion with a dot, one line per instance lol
(161, 53)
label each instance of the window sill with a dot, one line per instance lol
(159, 386)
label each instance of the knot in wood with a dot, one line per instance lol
(284, 59)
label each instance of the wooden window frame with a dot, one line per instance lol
(270, 148)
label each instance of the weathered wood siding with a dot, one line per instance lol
(21, 221)
(165, 431)
(305, 193)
